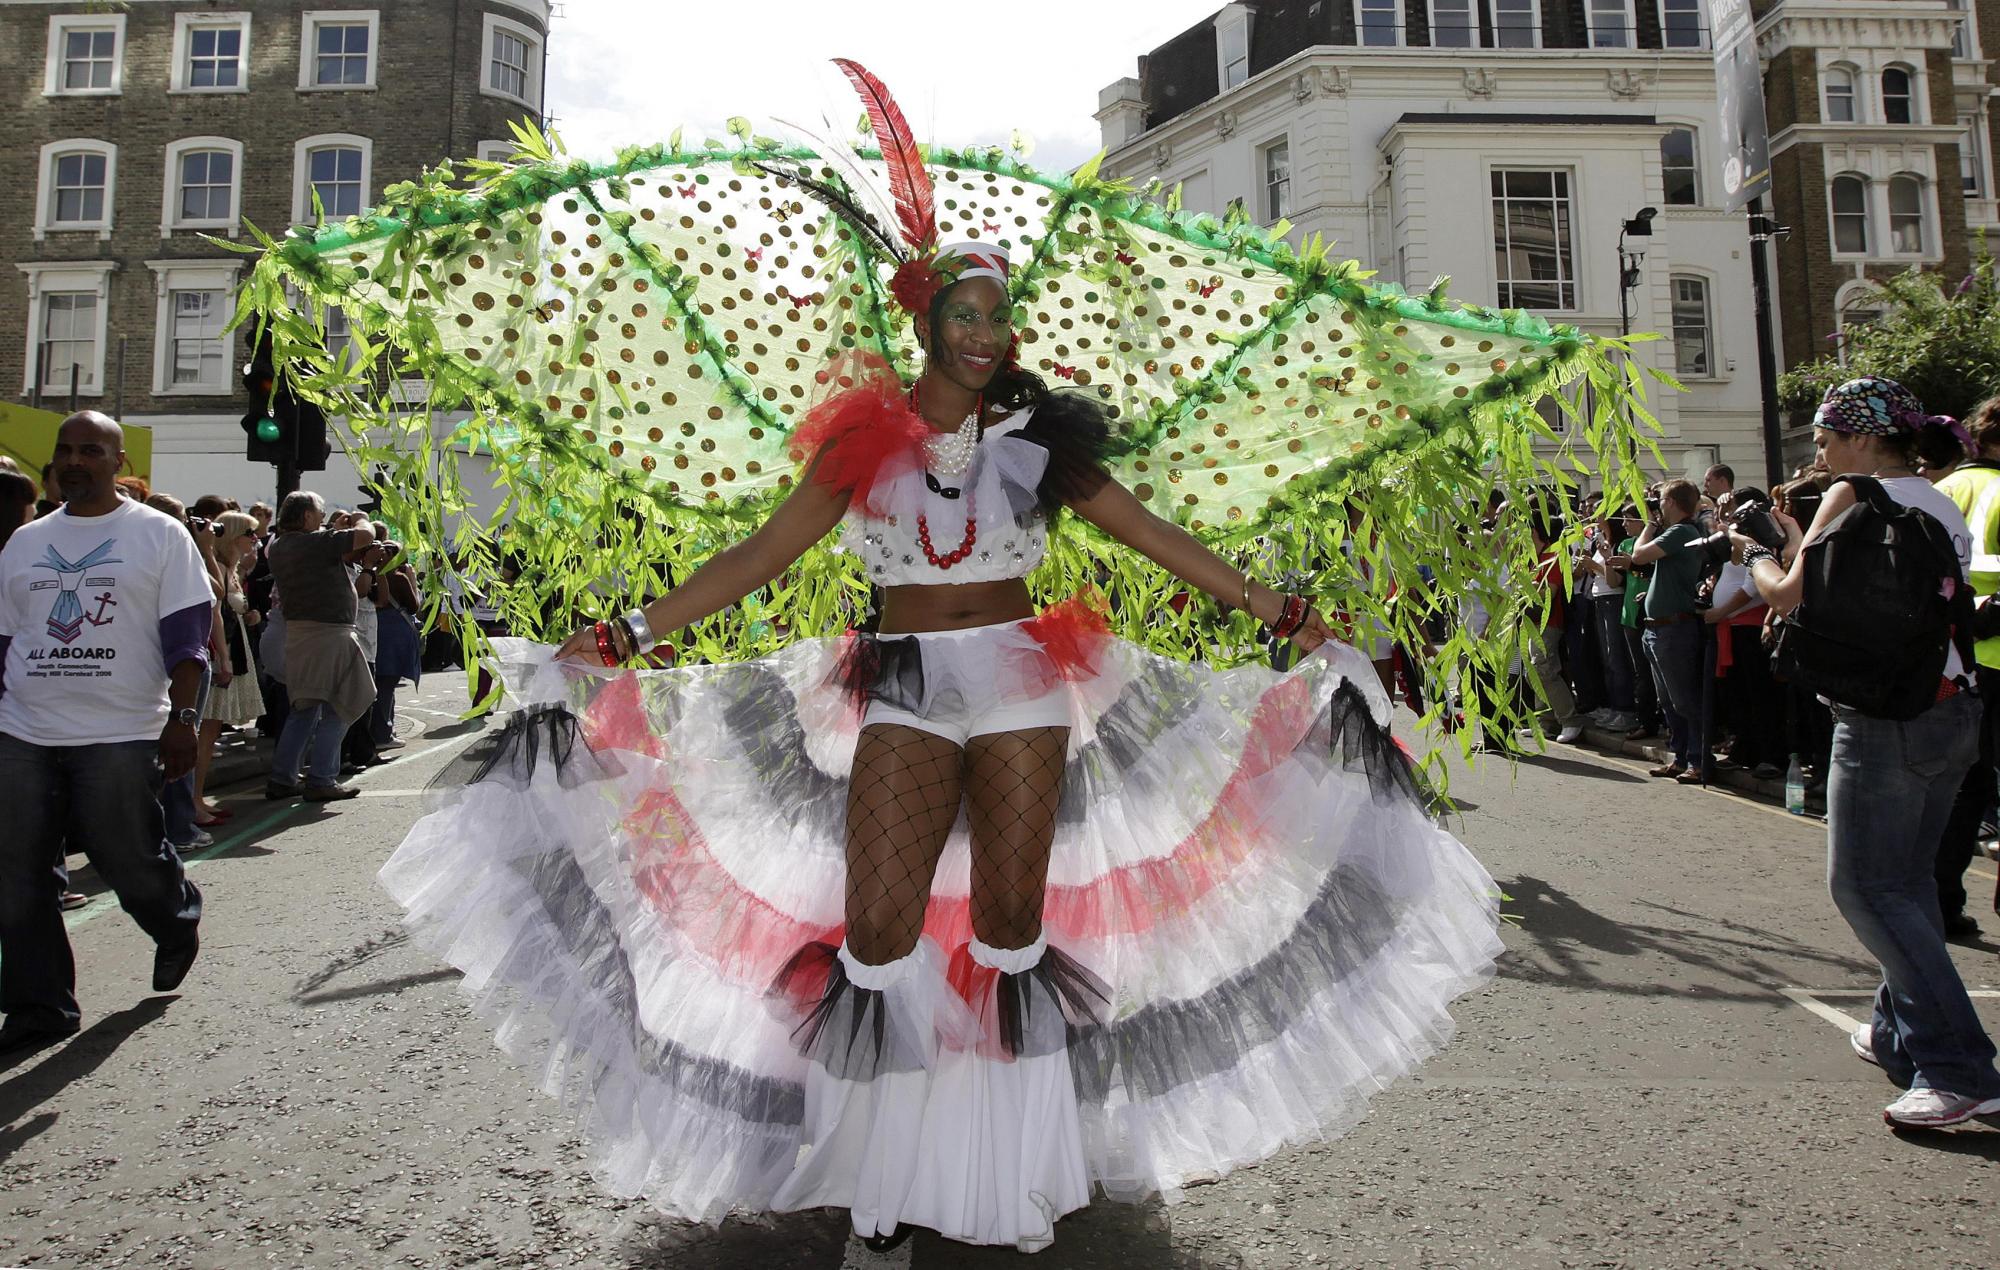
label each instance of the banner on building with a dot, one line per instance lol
(1739, 90)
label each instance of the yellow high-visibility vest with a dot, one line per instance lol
(1976, 491)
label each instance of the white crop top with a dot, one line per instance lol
(999, 491)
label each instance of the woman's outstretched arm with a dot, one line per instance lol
(801, 520)
(1114, 510)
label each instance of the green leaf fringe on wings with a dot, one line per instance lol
(572, 383)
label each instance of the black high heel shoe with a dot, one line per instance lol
(884, 1243)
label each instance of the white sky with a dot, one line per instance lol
(625, 72)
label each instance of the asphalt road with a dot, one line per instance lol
(1636, 1088)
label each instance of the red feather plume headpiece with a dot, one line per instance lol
(909, 183)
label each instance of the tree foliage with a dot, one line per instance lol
(1940, 340)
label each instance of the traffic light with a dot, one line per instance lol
(280, 428)
(268, 441)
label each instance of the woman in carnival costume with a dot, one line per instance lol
(954, 921)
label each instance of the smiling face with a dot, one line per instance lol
(969, 338)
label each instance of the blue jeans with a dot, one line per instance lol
(1675, 652)
(106, 800)
(311, 737)
(1888, 795)
(177, 806)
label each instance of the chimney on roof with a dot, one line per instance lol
(1121, 113)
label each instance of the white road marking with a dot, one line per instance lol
(108, 900)
(1809, 999)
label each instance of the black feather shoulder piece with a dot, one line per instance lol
(1077, 431)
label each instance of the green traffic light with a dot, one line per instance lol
(267, 429)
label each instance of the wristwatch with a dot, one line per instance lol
(187, 715)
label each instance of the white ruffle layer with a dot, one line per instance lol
(601, 950)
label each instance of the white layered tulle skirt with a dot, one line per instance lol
(1253, 923)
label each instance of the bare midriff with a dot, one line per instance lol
(909, 609)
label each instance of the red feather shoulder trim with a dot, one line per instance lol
(858, 431)
(1073, 633)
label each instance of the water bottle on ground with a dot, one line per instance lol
(1795, 788)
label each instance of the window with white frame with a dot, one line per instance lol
(512, 61)
(1679, 172)
(1694, 342)
(1837, 90)
(337, 48)
(496, 151)
(1857, 304)
(1232, 48)
(1277, 179)
(333, 168)
(204, 184)
(1961, 35)
(70, 327)
(1898, 101)
(1971, 158)
(1611, 25)
(1379, 23)
(1682, 24)
(86, 55)
(1454, 24)
(196, 357)
(1517, 24)
(1533, 243)
(1906, 215)
(339, 336)
(191, 347)
(211, 53)
(66, 326)
(1849, 198)
(79, 179)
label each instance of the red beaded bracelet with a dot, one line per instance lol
(602, 631)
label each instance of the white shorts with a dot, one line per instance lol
(976, 682)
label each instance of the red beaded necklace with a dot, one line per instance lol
(965, 545)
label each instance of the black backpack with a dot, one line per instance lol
(1884, 602)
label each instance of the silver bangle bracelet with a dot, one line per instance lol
(643, 639)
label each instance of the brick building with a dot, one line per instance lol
(141, 127)
(1881, 151)
(1512, 144)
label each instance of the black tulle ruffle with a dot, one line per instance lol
(590, 942)
(1049, 1006)
(528, 738)
(1162, 1046)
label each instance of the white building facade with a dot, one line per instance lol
(1507, 163)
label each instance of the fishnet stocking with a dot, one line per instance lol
(1014, 784)
(902, 801)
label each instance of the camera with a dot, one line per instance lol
(1754, 521)
(200, 525)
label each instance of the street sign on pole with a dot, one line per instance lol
(1739, 91)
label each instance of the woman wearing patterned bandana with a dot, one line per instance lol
(1892, 784)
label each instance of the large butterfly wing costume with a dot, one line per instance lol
(611, 359)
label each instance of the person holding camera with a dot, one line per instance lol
(1974, 488)
(326, 672)
(1671, 625)
(1894, 775)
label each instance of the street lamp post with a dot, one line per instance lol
(1640, 226)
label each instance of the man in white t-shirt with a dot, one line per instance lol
(104, 621)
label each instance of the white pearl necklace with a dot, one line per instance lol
(949, 454)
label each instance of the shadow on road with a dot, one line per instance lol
(1105, 1235)
(380, 988)
(1739, 964)
(1982, 1144)
(85, 1052)
(1577, 767)
(306, 991)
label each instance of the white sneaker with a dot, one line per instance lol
(1620, 721)
(1571, 734)
(202, 838)
(1936, 1108)
(1862, 1039)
